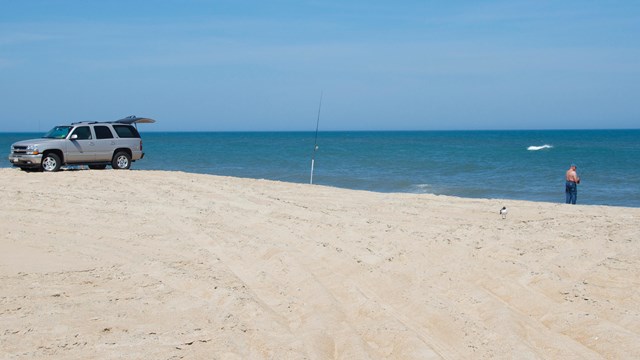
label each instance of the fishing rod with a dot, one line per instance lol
(315, 144)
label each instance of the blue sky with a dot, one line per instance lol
(381, 65)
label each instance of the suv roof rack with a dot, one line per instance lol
(127, 120)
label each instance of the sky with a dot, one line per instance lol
(233, 65)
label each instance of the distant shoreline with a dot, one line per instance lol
(151, 171)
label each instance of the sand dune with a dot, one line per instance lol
(166, 265)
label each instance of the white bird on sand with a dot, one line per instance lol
(503, 212)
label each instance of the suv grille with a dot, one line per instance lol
(19, 149)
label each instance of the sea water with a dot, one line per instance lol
(524, 165)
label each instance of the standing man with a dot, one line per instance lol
(571, 187)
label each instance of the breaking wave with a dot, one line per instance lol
(421, 188)
(536, 148)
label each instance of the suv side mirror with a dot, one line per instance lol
(74, 136)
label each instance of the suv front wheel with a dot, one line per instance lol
(50, 162)
(121, 161)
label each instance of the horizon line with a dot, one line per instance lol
(352, 130)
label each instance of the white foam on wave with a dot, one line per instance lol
(536, 148)
(422, 188)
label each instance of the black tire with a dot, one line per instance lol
(50, 162)
(121, 161)
(97, 167)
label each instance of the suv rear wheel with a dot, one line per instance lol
(50, 162)
(121, 161)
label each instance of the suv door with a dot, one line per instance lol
(80, 146)
(105, 143)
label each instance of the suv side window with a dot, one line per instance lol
(126, 131)
(83, 132)
(103, 132)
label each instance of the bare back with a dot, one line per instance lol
(572, 176)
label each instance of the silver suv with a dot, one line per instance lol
(96, 144)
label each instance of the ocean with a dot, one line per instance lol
(522, 165)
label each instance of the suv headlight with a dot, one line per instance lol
(32, 150)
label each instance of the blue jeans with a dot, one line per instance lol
(571, 192)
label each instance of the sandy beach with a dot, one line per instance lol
(169, 265)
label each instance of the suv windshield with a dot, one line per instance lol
(58, 132)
